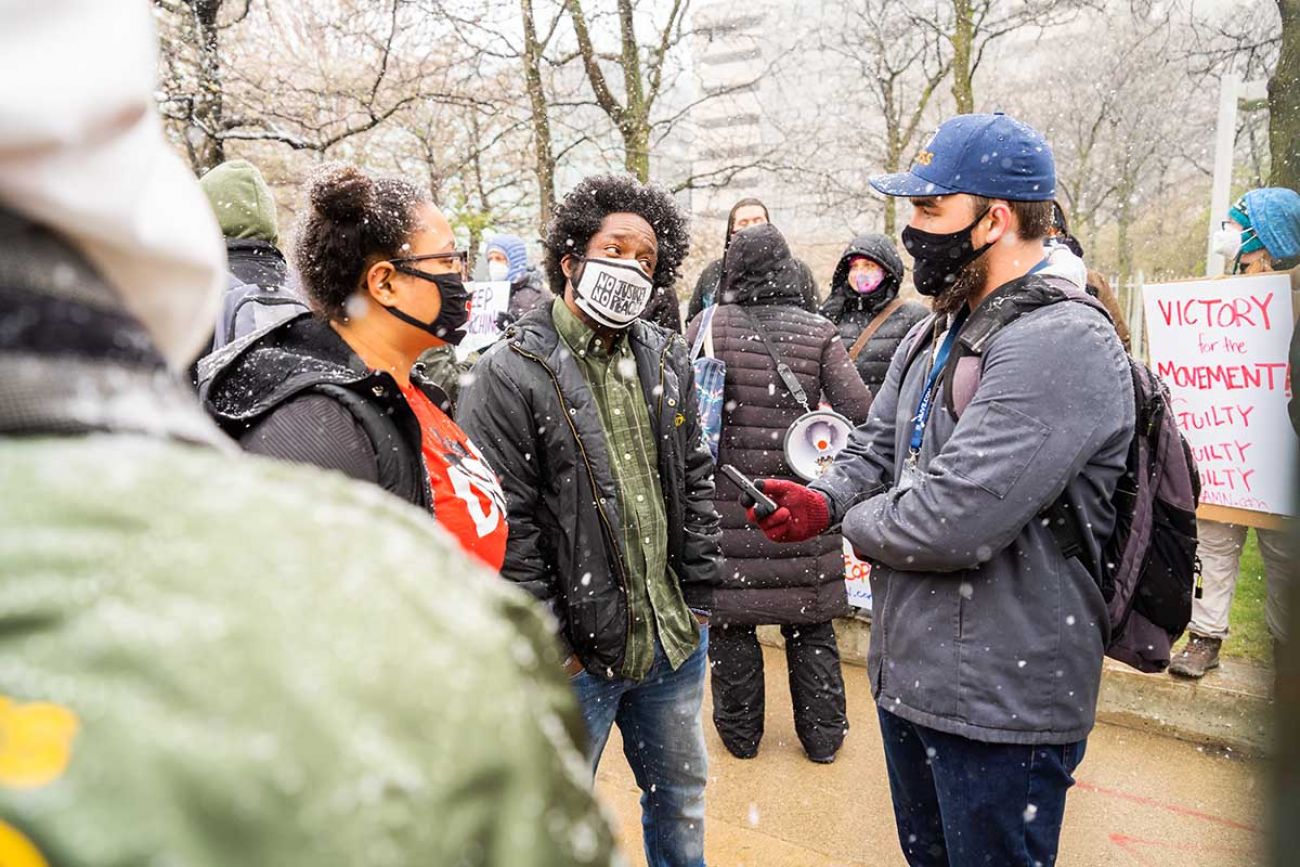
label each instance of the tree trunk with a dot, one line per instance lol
(636, 121)
(1284, 102)
(636, 149)
(206, 149)
(1123, 247)
(544, 161)
(893, 160)
(963, 47)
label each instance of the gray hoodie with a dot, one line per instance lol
(981, 627)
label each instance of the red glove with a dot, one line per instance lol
(800, 513)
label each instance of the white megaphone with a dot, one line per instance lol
(814, 440)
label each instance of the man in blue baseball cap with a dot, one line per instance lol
(1002, 407)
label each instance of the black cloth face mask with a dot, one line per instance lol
(940, 258)
(450, 324)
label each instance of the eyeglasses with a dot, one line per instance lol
(456, 261)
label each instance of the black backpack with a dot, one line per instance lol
(1148, 567)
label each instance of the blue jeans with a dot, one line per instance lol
(961, 802)
(663, 739)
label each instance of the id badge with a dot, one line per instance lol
(909, 475)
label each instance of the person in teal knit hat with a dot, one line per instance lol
(1261, 234)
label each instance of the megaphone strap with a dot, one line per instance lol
(788, 379)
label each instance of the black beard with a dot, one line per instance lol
(970, 280)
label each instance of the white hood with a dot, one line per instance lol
(82, 152)
(1061, 262)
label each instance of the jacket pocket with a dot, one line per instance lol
(1010, 440)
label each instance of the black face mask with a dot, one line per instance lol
(940, 258)
(450, 324)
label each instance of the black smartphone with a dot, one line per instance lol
(763, 505)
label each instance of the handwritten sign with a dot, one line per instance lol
(1221, 346)
(857, 578)
(490, 300)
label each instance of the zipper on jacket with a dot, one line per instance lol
(663, 363)
(591, 474)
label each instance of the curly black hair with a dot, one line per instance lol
(351, 219)
(578, 218)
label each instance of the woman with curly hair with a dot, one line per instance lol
(378, 262)
(589, 415)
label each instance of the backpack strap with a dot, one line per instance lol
(872, 327)
(997, 312)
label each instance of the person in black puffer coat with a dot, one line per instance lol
(852, 309)
(745, 213)
(800, 587)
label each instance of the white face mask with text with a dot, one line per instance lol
(614, 292)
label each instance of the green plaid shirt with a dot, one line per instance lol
(654, 597)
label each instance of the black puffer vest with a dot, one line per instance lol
(243, 383)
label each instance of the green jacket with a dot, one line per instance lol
(213, 659)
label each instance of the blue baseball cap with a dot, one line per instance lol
(989, 155)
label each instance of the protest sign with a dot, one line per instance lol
(857, 578)
(490, 300)
(1222, 348)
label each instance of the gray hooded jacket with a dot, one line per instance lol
(981, 627)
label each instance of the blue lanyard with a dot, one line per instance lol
(927, 394)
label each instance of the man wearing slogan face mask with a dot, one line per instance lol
(589, 416)
(378, 261)
(987, 641)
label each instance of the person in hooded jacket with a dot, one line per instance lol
(507, 259)
(260, 290)
(338, 390)
(864, 300)
(800, 587)
(245, 210)
(745, 213)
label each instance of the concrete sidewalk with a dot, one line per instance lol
(1141, 799)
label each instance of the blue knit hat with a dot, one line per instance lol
(1274, 214)
(516, 253)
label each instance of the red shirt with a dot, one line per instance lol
(467, 498)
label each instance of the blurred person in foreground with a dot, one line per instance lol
(207, 658)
